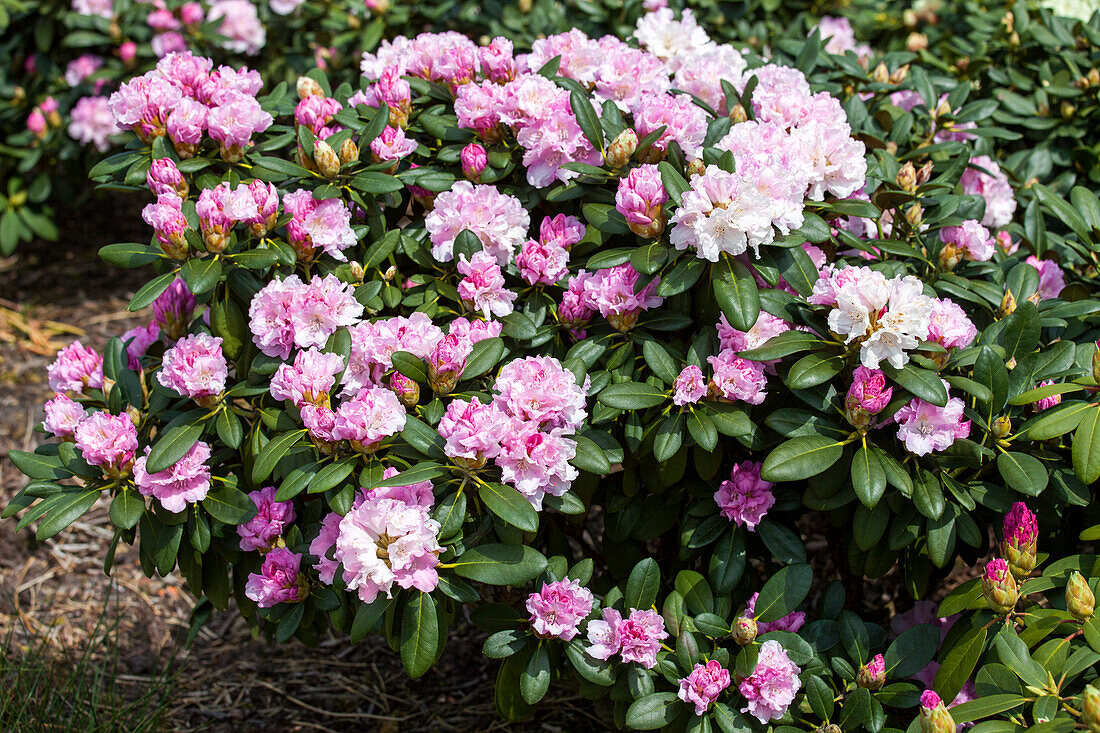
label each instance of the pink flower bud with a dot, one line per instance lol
(640, 200)
(446, 362)
(191, 13)
(999, 587)
(872, 675)
(36, 123)
(127, 52)
(868, 396)
(474, 161)
(934, 717)
(165, 177)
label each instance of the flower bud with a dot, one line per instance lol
(934, 716)
(446, 363)
(36, 123)
(1002, 426)
(357, 271)
(164, 177)
(622, 148)
(525, 6)
(916, 42)
(900, 74)
(1080, 599)
(474, 161)
(128, 52)
(907, 177)
(623, 322)
(949, 257)
(407, 391)
(349, 152)
(881, 74)
(308, 87)
(738, 114)
(696, 167)
(1068, 110)
(913, 216)
(1008, 305)
(999, 587)
(1090, 708)
(867, 397)
(326, 159)
(831, 728)
(872, 676)
(744, 630)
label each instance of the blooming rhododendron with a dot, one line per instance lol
(63, 415)
(483, 285)
(75, 369)
(107, 440)
(558, 608)
(772, 686)
(279, 580)
(704, 685)
(745, 498)
(289, 313)
(984, 177)
(924, 427)
(195, 367)
(271, 518)
(186, 481)
(497, 220)
(690, 386)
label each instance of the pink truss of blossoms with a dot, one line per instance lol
(611, 292)
(260, 532)
(483, 286)
(316, 112)
(838, 160)
(186, 481)
(640, 197)
(167, 219)
(780, 165)
(971, 239)
(186, 123)
(669, 39)
(497, 60)
(736, 378)
(636, 638)
(792, 622)
(684, 121)
(772, 686)
(384, 541)
(840, 38)
(542, 262)
(536, 462)
(766, 327)
(551, 141)
(319, 224)
(309, 379)
(92, 123)
(478, 108)
(173, 308)
(474, 331)
(236, 118)
(540, 390)
(722, 212)
(474, 431)
(279, 580)
(924, 428)
(558, 608)
(448, 58)
(288, 313)
(704, 685)
(373, 345)
(1047, 402)
(138, 340)
(220, 208)
(167, 43)
(576, 309)
(869, 391)
(1020, 526)
(106, 440)
(950, 327)
(195, 367)
(81, 68)
(392, 144)
(499, 221)
(1000, 203)
(690, 386)
(165, 177)
(702, 74)
(240, 23)
(75, 369)
(63, 414)
(745, 498)
(144, 103)
(1006, 244)
(1051, 278)
(581, 56)
(626, 75)
(372, 415)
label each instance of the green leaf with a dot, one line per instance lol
(784, 344)
(1086, 447)
(685, 273)
(922, 383)
(1023, 472)
(367, 617)
(272, 453)
(653, 711)
(854, 637)
(727, 562)
(985, 707)
(484, 355)
(643, 584)
(868, 477)
(130, 254)
(504, 643)
(702, 429)
(411, 366)
(736, 292)
(376, 183)
(126, 509)
(783, 592)
(64, 509)
(912, 651)
(590, 457)
(814, 369)
(632, 396)
(1014, 654)
(1022, 331)
(535, 678)
(959, 664)
(172, 446)
(695, 590)
(229, 428)
(500, 564)
(820, 697)
(596, 671)
(800, 458)
(150, 291)
(419, 635)
(38, 466)
(201, 275)
(1055, 421)
(782, 541)
(587, 119)
(230, 505)
(424, 471)
(510, 506)
(659, 362)
(1063, 212)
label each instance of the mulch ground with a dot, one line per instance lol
(55, 592)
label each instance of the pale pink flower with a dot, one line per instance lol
(542, 263)
(241, 25)
(536, 462)
(474, 160)
(722, 212)
(392, 144)
(185, 481)
(483, 288)
(765, 328)
(75, 369)
(745, 498)
(319, 224)
(320, 421)
(603, 634)
(289, 313)
(971, 239)
(236, 118)
(260, 532)
(703, 72)
(1051, 278)
(690, 386)
(868, 391)
(81, 68)
(611, 291)
(736, 378)
(101, 8)
(540, 390)
(322, 544)
(640, 637)
(165, 177)
(1000, 204)
(63, 415)
(372, 415)
(285, 7)
(167, 43)
(949, 326)
(704, 685)
(418, 494)
(309, 379)
(186, 123)
(168, 221)
(106, 440)
(92, 123)
(576, 308)
(640, 199)
(372, 345)
(499, 221)
(497, 60)
(173, 308)
(669, 39)
(558, 608)
(279, 580)
(924, 428)
(138, 340)
(772, 686)
(627, 75)
(195, 367)
(683, 120)
(474, 431)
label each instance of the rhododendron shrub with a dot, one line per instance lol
(646, 384)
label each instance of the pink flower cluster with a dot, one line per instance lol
(309, 379)
(186, 481)
(558, 608)
(705, 684)
(373, 343)
(499, 221)
(185, 98)
(482, 288)
(1020, 526)
(316, 112)
(745, 498)
(544, 261)
(611, 293)
(91, 123)
(970, 239)
(636, 638)
(63, 414)
(736, 378)
(640, 198)
(75, 369)
(317, 224)
(221, 208)
(260, 532)
(690, 386)
(772, 686)
(288, 314)
(985, 178)
(279, 581)
(195, 367)
(924, 427)
(1051, 278)
(106, 440)
(840, 38)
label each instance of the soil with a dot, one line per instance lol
(55, 592)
